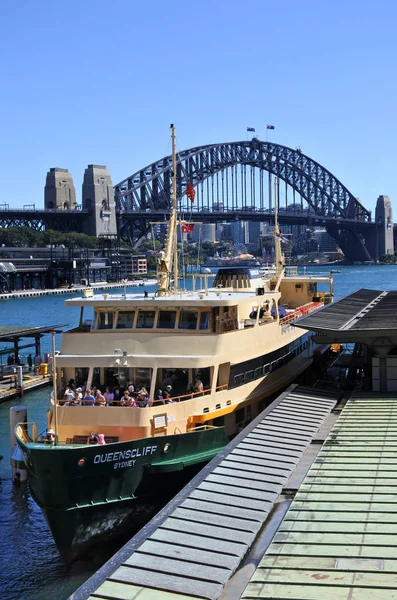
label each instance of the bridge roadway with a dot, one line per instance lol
(195, 545)
(284, 218)
(208, 216)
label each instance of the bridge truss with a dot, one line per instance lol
(237, 176)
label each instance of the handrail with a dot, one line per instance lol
(171, 400)
(301, 311)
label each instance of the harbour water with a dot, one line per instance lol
(30, 568)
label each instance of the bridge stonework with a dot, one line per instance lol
(59, 191)
(384, 222)
(98, 200)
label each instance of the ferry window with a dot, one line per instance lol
(81, 375)
(166, 319)
(105, 320)
(145, 319)
(125, 319)
(204, 323)
(188, 319)
(239, 415)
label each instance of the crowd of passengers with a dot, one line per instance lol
(127, 396)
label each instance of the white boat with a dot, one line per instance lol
(219, 351)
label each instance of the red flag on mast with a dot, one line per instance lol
(190, 193)
(187, 227)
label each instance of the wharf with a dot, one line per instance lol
(74, 289)
(29, 384)
(222, 519)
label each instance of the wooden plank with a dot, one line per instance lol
(239, 482)
(165, 564)
(225, 521)
(114, 590)
(257, 463)
(219, 498)
(233, 492)
(162, 581)
(184, 553)
(252, 516)
(281, 459)
(185, 539)
(253, 474)
(208, 530)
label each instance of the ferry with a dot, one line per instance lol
(208, 360)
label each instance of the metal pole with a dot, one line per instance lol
(54, 383)
(173, 196)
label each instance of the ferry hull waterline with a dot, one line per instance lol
(184, 372)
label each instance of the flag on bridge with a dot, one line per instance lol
(190, 193)
(187, 227)
(250, 128)
(270, 127)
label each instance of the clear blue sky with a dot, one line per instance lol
(99, 82)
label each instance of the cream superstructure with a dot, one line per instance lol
(230, 337)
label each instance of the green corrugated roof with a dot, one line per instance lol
(338, 540)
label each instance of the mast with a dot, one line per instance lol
(277, 236)
(170, 253)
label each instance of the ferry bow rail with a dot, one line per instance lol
(194, 545)
(338, 541)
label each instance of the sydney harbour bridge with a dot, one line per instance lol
(233, 181)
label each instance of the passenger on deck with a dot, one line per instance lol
(93, 438)
(109, 396)
(127, 400)
(159, 397)
(88, 399)
(50, 438)
(101, 439)
(76, 400)
(198, 386)
(142, 398)
(100, 399)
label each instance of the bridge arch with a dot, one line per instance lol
(149, 188)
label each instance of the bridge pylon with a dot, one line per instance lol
(59, 191)
(384, 224)
(98, 199)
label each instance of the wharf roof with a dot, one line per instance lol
(364, 311)
(9, 332)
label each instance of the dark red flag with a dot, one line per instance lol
(187, 227)
(190, 193)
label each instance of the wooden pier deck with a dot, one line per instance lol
(193, 547)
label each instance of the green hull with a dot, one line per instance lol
(88, 493)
